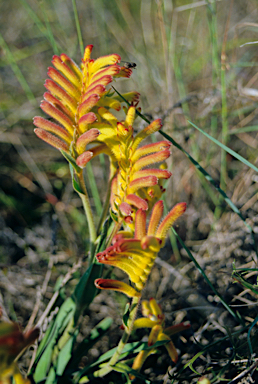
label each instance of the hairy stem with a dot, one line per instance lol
(87, 209)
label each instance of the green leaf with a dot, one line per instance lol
(233, 153)
(44, 356)
(126, 314)
(113, 215)
(71, 161)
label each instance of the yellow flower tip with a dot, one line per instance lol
(125, 209)
(66, 70)
(152, 243)
(116, 285)
(140, 225)
(156, 308)
(144, 322)
(83, 159)
(137, 202)
(123, 130)
(51, 139)
(156, 215)
(87, 52)
(154, 334)
(104, 61)
(172, 351)
(130, 117)
(86, 138)
(146, 311)
(169, 220)
(155, 126)
(67, 60)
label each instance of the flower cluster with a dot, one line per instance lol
(155, 320)
(136, 255)
(73, 99)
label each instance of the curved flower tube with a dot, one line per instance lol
(136, 255)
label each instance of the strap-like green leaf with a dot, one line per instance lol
(227, 149)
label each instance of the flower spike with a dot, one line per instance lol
(136, 256)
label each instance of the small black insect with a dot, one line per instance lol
(127, 64)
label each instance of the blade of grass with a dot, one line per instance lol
(252, 128)
(212, 24)
(94, 189)
(249, 333)
(224, 108)
(78, 27)
(51, 37)
(227, 149)
(17, 71)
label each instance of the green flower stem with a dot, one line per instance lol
(87, 209)
(114, 359)
(105, 208)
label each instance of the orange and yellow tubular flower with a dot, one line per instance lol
(169, 220)
(74, 95)
(155, 319)
(136, 255)
(169, 346)
(116, 285)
